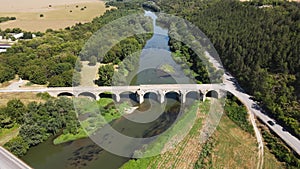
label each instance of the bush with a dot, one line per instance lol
(281, 152)
(17, 146)
(238, 114)
(93, 61)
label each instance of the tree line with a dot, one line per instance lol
(4, 19)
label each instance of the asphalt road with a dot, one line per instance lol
(232, 85)
(288, 138)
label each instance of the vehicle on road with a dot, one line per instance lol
(271, 123)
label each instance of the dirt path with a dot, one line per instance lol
(259, 141)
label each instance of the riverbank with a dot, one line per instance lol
(217, 152)
(108, 111)
(168, 147)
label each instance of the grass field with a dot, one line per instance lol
(182, 155)
(270, 161)
(24, 97)
(55, 17)
(234, 148)
(88, 74)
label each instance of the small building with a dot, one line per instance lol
(18, 36)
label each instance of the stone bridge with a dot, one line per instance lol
(160, 90)
(182, 90)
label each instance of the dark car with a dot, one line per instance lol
(271, 123)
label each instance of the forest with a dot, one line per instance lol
(37, 121)
(259, 46)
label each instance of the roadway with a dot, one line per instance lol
(9, 161)
(232, 86)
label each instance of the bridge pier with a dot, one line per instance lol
(203, 97)
(117, 97)
(140, 96)
(183, 97)
(161, 97)
(97, 97)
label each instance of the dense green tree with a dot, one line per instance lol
(6, 73)
(5, 120)
(4, 19)
(16, 110)
(106, 73)
(78, 66)
(17, 146)
(56, 81)
(34, 134)
(76, 78)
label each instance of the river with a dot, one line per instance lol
(84, 153)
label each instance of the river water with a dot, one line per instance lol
(84, 153)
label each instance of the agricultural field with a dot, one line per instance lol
(46, 14)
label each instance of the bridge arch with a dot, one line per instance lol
(212, 94)
(110, 95)
(151, 95)
(65, 94)
(129, 95)
(88, 94)
(193, 95)
(173, 95)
